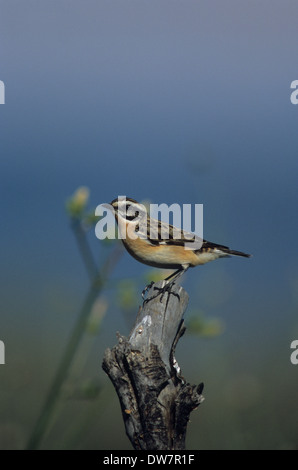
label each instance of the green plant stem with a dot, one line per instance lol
(61, 374)
(98, 280)
(84, 249)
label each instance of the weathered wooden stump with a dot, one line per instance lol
(155, 399)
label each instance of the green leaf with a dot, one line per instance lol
(127, 295)
(77, 203)
(198, 325)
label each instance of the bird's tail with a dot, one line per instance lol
(238, 253)
(224, 250)
(227, 250)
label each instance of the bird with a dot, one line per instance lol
(161, 245)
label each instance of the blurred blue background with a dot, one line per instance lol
(169, 101)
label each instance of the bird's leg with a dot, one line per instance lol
(148, 287)
(175, 275)
(169, 281)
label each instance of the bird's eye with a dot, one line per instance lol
(130, 215)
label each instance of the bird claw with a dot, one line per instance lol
(148, 287)
(161, 291)
(166, 288)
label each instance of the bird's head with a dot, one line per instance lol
(128, 209)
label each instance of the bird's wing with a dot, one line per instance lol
(161, 233)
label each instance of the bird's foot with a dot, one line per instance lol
(161, 291)
(148, 287)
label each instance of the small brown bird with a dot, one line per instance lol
(144, 239)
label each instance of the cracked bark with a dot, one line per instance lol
(155, 400)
